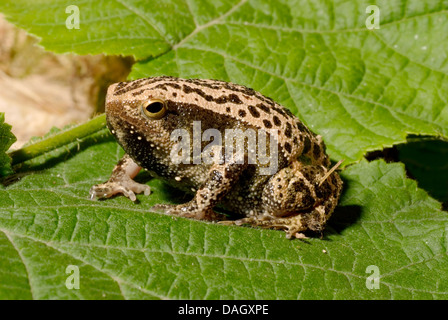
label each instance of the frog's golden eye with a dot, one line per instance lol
(154, 109)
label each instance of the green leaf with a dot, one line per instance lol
(7, 138)
(426, 160)
(360, 89)
(123, 250)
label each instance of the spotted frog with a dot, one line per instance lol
(298, 196)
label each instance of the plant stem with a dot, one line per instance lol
(63, 138)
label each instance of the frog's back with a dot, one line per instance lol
(234, 102)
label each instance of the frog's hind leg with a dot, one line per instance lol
(297, 199)
(293, 225)
(220, 181)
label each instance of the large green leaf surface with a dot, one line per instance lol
(123, 250)
(360, 89)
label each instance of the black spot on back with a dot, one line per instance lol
(277, 121)
(136, 93)
(301, 126)
(267, 123)
(264, 108)
(307, 146)
(253, 111)
(283, 111)
(235, 99)
(173, 85)
(310, 173)
(288, 130)
(299, 186)
(221, 100)
(161, 86)
(124, 87)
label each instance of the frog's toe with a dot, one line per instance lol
(178, 210)
(161, 208)
(99, 191)
(253, 220)
(186, 210)
(292, 226)
(136, 187)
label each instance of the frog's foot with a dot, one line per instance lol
(110, 188)
(121, 182)
(187, 210)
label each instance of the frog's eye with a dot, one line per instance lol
(154, 109)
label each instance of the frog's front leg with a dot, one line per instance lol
(121, 181)
(221, 178)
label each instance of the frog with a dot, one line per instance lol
(298, 196)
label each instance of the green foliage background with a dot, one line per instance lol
(361, 89)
